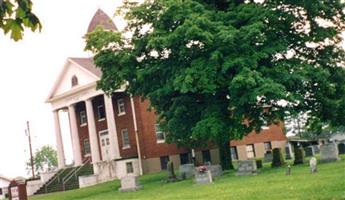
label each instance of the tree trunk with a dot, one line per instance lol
(225, 156)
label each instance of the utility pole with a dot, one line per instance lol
(27, 131)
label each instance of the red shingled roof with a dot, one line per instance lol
(101, 19)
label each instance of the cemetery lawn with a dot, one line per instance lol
(327, 183)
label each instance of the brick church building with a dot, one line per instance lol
(117, 133)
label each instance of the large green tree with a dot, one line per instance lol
(216, 69)
(15, 15)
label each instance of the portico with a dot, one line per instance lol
(64, 98)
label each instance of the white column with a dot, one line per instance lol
(92, 133)
(136, 136)
(59, 144)
(75, 136)
(114, 145)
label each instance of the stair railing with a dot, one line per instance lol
(73, 173)
(57, 176)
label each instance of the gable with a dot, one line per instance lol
(82, 74)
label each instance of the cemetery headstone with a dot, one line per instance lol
(288, 170)
(309, 151)
(246, 167)
(203, 175)
(216, 170)
(129, 183)
(187, 170)
(316, 149)
(312, 164)
(171, 172)
(299, 156)
(341, 148)
(268, 156)
(329, 152)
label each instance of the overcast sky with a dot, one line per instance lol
(29, 70)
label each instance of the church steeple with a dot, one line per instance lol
(101, 19)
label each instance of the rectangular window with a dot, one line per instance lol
(100, 112)
(206, 156)
(125, 139)
(164, 162)
(250, 151)
(160, 135)
(185, 158)
(83, 119)
(121, 107)
(268, 146)
(129, 167)
(234, 155)
(87, 149)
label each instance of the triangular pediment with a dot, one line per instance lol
(81, 70)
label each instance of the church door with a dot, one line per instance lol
(105, 144)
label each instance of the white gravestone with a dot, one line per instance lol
(203, 177)
(329, 152)
(312, 164)
(129, 183)
(187, 170)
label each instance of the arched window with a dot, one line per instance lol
(74, 81)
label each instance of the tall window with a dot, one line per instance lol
(74, 81)
(268, 146)
(129, 167)
(83, 119)
(100, 112)
(121, 107)
(87, 148)
(160, 135)
(125, 139)
(164, 162)
(250, 151)
(206, 156)
(234, 155)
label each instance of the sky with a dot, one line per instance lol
(29, 70)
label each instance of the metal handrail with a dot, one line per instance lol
(52, 180)
(74, 173)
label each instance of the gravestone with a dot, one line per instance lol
(312, 164)
(341, 148)
(129, 183)
(246, 167)
(268, 157)
(316, 149)
(216, 170)
(203, 177)
(329, 152)
(288, 170)
(187, 170)
(309, 151)
(171, 172)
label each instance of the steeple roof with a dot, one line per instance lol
(101, 19)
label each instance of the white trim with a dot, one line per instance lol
(102, 131)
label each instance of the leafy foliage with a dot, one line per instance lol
(214, 70)
(45, 159)
(15, 15)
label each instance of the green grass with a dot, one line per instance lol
(327, 183)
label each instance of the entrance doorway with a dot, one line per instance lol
(104, 141)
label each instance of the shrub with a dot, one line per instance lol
(299, 156)
(258, 163)
(278, 159)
